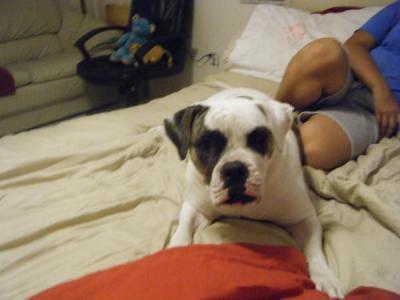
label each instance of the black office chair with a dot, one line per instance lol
(172, 19)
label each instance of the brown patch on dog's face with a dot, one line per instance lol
(188, 132)
(179, 128)
(207, 147)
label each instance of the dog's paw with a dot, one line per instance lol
(180, 240)
(326, 281)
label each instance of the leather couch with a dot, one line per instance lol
(36, 48)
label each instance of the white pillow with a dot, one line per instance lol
(275, 33)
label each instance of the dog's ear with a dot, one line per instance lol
(179, 128)
(281, 117)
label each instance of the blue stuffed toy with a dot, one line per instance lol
(141, 30)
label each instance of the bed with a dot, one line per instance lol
(100, 191)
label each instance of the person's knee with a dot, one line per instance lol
(315, 156)
(322, 55)
(319, 67)
(325, 144)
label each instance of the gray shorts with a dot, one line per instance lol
(352, 108)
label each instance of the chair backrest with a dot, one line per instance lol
(169, 16)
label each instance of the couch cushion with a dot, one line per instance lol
(75, 25)
(21, 76)
(29, 48)
(49, 68)
(36, 95)
(21, 19)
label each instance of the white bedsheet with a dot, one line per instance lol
(274, 34)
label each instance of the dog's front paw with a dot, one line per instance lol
(180, 239)
(326, 281)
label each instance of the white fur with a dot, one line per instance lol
(275, 180)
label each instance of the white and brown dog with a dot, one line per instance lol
(243, 161)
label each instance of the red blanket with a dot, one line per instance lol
(7, 84)
(229, 271)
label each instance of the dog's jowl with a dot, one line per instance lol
(241, 158)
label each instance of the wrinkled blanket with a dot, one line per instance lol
(99, 191)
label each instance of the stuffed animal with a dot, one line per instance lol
(141, 30)
(154, 55)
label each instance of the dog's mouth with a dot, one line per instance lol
(239, 198)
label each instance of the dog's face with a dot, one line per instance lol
(230, 139)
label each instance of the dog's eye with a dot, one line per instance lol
(259, 140)
(213, 141)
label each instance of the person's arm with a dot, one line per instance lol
(387, 110)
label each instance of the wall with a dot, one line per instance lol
(216, 24)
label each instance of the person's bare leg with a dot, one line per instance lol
(320, 68)
(326, 145)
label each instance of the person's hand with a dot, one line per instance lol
(387, 113)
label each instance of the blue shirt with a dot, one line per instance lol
(385, 28)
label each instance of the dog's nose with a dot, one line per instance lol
(234, 173)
